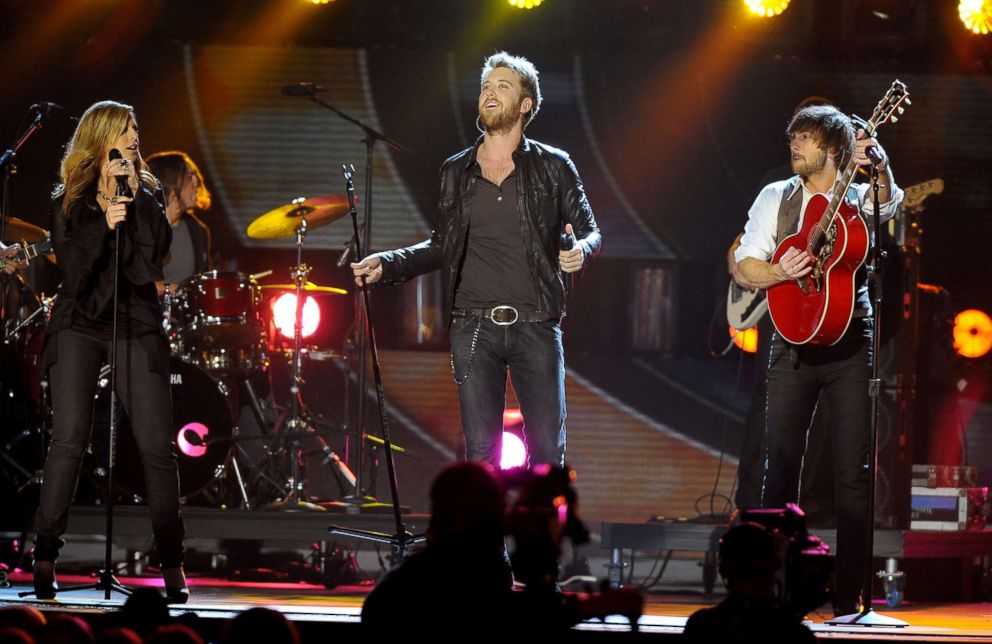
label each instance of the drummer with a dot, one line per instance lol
(185, 194)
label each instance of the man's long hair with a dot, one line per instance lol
(172, 168)
(831, 129)
(99, 127)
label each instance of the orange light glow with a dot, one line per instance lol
(766, 8)
(972, 333)
(976, 15)
(525, 4)
(745, 339)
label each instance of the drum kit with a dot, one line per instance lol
(223, 335)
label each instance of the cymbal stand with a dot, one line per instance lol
(297, 424)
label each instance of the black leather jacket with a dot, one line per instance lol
(550, 195)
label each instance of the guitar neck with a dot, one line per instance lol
(839, 193)
(28, 253)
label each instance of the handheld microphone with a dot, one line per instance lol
(872, 153)
(123, 189)
(302, 89)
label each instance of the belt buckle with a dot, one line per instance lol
(516, 315)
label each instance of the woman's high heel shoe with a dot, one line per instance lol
(45, 585)
(176, 591)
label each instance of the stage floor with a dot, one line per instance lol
(664, 614)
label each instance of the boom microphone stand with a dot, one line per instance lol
(311, 91)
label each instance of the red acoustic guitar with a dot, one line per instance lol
(817, 308)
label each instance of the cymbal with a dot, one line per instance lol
(282, 221)
(309, 287)
(18, 230)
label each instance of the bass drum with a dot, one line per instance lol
(201, 427)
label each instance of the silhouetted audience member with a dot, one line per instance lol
(10, 635)
(748, 561)
(461, 577)
(66, 629)
(262, 625)
(118, 636)
(144, 611)
(28, 619)
(174, 634)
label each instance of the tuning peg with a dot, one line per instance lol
(901, 110)
(907, 101)
(893, 119)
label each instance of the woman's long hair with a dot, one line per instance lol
(98, 129)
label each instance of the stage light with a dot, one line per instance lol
(319, 1)
(196, 431)
(284, 315)
(514, 453)
(745, 339)
(972, 333)
(514, 450)
(766, 8)
(976, 15)
(525, 4)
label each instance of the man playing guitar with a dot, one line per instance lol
(822, 140)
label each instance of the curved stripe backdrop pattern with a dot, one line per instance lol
(263, 149)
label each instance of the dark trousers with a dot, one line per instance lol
(797, 376)
(481, 354)
(817, 491)
(143, 389)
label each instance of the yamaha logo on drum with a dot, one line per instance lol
(176, 379)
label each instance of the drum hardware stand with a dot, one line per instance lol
(866, 616)
(401, 539)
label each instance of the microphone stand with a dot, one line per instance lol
(7, 165)
(867, 616)
(401, 539)
(359, 500)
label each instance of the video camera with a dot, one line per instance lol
(804, 579)
(544, 512)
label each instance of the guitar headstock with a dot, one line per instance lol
(916, 193)
(890, 108)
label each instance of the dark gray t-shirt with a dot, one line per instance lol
(182, 260)
(495, 271)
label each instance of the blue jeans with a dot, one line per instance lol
(532, 351)
(796, 377)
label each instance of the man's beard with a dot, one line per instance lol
(502, 120)
(808, 166)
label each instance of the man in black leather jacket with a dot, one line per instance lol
(505, 204)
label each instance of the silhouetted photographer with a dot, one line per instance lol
(775, 572)
(461, 581)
